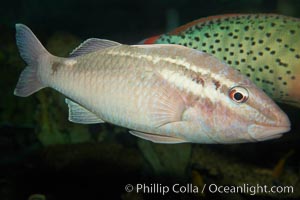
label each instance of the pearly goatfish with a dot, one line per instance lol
(265, 47)
(162, 93)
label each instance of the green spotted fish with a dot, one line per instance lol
(265, 47)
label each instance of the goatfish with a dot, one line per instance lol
(264, 47)
(162, 93)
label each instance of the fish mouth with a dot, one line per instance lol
(261, 132)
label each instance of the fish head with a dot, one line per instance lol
(244, 113)
(224, 106)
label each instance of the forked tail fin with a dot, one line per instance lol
(31, 50)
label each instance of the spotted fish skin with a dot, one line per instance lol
(163, 93)
(265, 47)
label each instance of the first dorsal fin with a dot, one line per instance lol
(92, 45)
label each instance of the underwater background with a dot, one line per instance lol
(43, 156)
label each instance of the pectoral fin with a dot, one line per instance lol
(81, 115)
(158, 138)
(168, 105)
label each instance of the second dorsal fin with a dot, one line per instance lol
(92, 45)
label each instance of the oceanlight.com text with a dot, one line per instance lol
(250, 189)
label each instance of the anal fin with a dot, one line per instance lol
(156, 138)
(81, 115)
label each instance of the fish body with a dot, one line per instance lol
(162, 93)
(264, 47)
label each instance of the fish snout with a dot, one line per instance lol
(278, 124)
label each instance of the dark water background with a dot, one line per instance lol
(42, 153)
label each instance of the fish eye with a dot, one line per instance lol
(238, 94)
